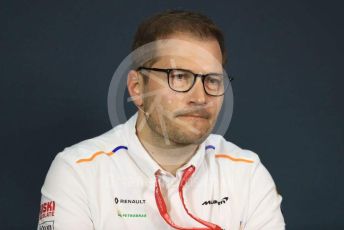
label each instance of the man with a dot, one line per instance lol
(162, 169)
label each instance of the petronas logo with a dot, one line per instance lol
(131, 215)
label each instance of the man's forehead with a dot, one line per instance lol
(178, 62)
(176, 53)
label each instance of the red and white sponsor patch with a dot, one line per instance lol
(47, 210)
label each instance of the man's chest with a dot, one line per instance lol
(131, 203)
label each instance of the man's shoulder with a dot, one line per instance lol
(90, 148)
(225, 149)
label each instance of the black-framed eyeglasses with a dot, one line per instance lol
(182, 80)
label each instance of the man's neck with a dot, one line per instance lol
(169, 155)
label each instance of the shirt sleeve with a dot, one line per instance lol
(64, 203)
(264, 209)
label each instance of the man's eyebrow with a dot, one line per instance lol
(203, 73)
(176, 67)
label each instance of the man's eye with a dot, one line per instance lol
(179, 76)
(213, 80)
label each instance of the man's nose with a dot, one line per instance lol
(197, 93)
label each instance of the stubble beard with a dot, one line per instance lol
(177, 134)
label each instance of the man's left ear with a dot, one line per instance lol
(134, 84)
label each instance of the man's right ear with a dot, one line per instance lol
(135, 87)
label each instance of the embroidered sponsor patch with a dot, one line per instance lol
(47, 225)
(47, 209)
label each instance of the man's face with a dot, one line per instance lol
(183, 117)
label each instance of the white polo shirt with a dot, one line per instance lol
(108, 182)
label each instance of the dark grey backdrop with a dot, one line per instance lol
(58, 57)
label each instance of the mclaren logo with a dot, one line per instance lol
(218, 202)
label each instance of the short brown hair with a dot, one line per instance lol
(171, 21)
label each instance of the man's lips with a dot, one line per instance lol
(192, 115)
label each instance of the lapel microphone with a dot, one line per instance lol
(145, 113)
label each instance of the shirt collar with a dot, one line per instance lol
(142, 158)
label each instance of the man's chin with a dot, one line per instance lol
(190, 138)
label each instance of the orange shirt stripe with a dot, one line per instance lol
(93, 156)
(233, 158)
